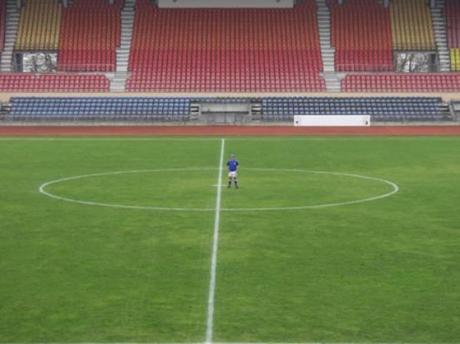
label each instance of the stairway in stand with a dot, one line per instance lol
(327, 51)
(11, 32)
(440, 34)
(118, 81)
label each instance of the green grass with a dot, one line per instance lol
(383, 271)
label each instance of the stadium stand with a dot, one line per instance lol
(278, 109)
(39, 25)
(2, 23)
(89, 36)
(455, 59)
(231, 50)
(398, 82)
(26, 82)
(380, 109)
(361, 35)
(99, 109)
(412, 25)
(91, 4)
(452, 13)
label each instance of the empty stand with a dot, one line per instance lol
(2, 23)
(99, 109)
(233, 50)
(452, 12)
(24, 82)
(39, 25)
(455, 59)
(91, 4)
(412, 25)
(89, 37)
(147, 109)
(380, 109)
(361, 35)
(422, 82)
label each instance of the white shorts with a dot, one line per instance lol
(233, 174)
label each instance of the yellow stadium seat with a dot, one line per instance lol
(455, 59)
(39, 25)
(412, 25)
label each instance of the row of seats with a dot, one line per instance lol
(176, 81)
(23, 82)
(412, 25)
(2, 23)
(231, 71)
(234, 50)
(89, 38)
(99, 109)
(421, 82)
(179, 109)
(361, 36)
(455, 59)
(86, 34)
(364, 60)
(452, 13)
(365, 34)
(230, 50)
(39, 25)
(97, 3)
(380, 109)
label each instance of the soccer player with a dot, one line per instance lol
(233, 166)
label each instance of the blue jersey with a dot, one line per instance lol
(232, 165)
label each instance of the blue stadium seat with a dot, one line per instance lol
(100, 109)
(380, 108)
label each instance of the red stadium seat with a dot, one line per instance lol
(225, 50)
(397, 82)
(452, 12)
(361, 35)
(25, 82)
(90, 34)
(2, 23)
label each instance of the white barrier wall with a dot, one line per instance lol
(332, 121)
(226, 3)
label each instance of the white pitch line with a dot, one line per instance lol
(215, 247)
(44, 186)
(110, 139)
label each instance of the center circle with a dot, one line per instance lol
(190, 189)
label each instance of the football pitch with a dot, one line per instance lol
(139, 240)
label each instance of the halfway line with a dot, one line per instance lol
(215, 246)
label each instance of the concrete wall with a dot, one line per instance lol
(228, 108)
(226, 3)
